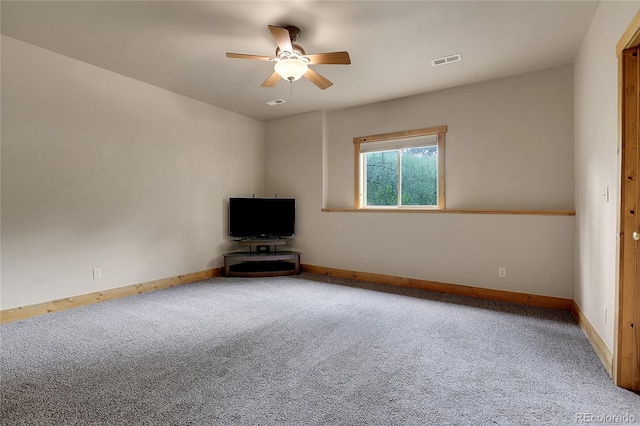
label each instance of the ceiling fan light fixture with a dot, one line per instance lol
(291, 69)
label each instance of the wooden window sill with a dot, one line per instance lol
(457, 211)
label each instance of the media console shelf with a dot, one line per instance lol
(265, 261)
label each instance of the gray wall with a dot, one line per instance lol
(103, 171)
(597, 165)
(509, 142)
(509, 145)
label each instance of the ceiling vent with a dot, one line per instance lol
(446, 60)
(276, 102)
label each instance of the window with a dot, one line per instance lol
(401, 169)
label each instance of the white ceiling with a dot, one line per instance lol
(181, 45)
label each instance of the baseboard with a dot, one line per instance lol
(603, 351)
(24, 312)
(461, 290)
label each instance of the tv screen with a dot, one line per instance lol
(262, 217)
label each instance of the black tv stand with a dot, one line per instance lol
(265, 261)
(263, 245)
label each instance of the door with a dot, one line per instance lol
(627, 368)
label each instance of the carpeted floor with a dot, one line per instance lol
(305, 350)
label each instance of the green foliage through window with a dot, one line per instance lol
(382, 178)
(413, 172)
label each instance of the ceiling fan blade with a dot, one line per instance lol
(338, 58)
(281, 35)
(243, 56)
(271, 80)
(317, 79)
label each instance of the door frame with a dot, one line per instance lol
(626, 357)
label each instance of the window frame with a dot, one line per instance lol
(438, 131)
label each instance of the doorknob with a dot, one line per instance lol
(636, 236)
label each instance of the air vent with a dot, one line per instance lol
(446, 60)
(276, 102)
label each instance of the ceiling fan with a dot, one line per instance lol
(291, 61)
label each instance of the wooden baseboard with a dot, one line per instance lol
(603, 351)
(461, 290)
(23, 312)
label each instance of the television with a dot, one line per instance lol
(257, 218)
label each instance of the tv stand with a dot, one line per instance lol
(265, 261)
(263, 246)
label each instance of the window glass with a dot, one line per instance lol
(420, 176)
(382, 178)
(400, 169)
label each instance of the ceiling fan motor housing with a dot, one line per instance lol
(296, 49)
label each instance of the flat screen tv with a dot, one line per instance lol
(262, 217)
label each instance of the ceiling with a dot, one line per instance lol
(180, 45)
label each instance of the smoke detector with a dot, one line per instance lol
(276, 102)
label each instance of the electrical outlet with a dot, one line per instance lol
(502, 272)
(97, 273)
